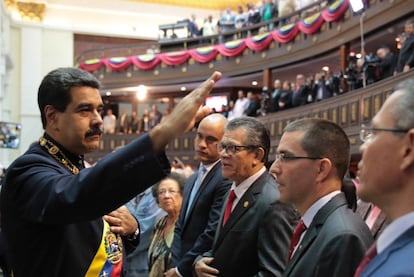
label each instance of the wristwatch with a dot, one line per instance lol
(134, 235)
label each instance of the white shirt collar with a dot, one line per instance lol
(314, 209)
(394, 230)
(245, 185)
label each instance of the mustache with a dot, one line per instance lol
(96, 130)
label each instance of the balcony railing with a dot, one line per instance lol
(349, 110)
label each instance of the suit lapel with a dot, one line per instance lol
(313, 230)
(206, 180)
(245, 203)
(186, 197)
(380, 259)
(378, 225)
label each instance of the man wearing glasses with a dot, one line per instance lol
(311, 161)
(254, 230)
(386, 175)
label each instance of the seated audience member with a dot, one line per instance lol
(386, 179)
(387, 62)
(169, 196)
(254, 230)
(311, 161)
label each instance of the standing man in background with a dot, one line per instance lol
(123, 121)
(202, 200)
(109, 122)
(240, 105)
(406, 56)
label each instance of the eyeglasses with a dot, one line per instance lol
(232, 149)
(172, 192)
(282, 157)
(367, 133)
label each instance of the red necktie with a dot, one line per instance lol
(299, 229)
(369, 255)
(229, 205)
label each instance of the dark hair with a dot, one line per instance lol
(179, 178)
(324, 138)
(256, 133)
(56, 87)
(349, 189)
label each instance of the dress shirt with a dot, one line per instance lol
(394, 230)
(244, 186)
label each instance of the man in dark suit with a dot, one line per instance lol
(311, 161)
(255, 228)
(386, 179)
(301, 92)
(54, 211)
(122, 122)
(387, 62)
(253, 106)
(202, 199)
(406, 55)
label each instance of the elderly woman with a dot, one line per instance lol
(168, 194)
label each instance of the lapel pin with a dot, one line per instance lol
(246, 204)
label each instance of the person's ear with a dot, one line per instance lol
(324, 168)
(259, 152)
(408, 153)
(51, 115)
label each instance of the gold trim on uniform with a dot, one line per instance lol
(58, 155)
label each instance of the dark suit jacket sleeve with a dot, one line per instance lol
(46, 192)
(346, 248)
(274, 238)
(205, 240)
